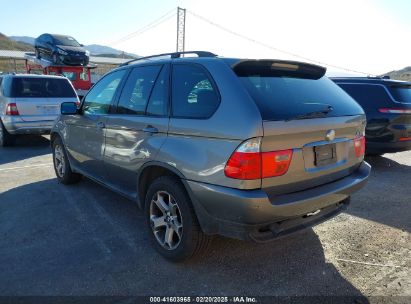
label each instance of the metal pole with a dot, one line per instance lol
(181, 20)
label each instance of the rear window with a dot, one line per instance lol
(401, 93)
(369, 96)
(41, 87)
(286, 97)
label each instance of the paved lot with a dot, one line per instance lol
(86, 240)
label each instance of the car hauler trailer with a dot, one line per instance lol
(80, 76)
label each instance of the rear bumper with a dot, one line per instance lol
(387, 147)
(385, 136)
(251, 215)
(16, 125)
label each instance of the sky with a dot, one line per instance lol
(370, 36)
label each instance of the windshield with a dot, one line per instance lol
(41, 87)
(70, 75)
(283, 98)
(401, 93)
(65, 40)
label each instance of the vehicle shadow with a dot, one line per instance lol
(26, 146)
(85, 240)
(386, 197)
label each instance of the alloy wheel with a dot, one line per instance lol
(166, 220)
(59, 160)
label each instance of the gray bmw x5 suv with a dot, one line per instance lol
(249, 149)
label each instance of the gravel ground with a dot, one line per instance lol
(86, 240)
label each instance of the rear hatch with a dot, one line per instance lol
(39, 98)
(304, 111)
(401, 107)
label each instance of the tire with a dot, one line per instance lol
(6, 139)
(61, 164)
(167, 202)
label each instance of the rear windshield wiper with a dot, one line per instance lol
(314, 114)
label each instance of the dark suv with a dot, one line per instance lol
(61, 49)
(249, 149)
(387, 105)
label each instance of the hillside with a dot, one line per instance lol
(94, 49)
(25, 39)
(403, 74)
(107, 51)
(8, 44)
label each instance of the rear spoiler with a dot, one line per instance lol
(278, 68)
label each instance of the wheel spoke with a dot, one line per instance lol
(58, 155)
(161, 204)
(168, 237)
(173, 208)
(158, 221)
(177, 229)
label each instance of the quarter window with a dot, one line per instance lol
(193, 94)
(99, 99)
(137, 90)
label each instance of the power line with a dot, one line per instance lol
(147, 27)
(269, 46)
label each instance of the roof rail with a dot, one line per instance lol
(172, 55)
(379, 77)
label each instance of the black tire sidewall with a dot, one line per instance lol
(187, 246)
(6, 139)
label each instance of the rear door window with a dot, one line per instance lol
(193, 92)
(284, 91)
(401, 93)
(137, 90)
(41, 87)
(158, 103)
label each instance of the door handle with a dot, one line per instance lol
(101, 125)
(150, 129)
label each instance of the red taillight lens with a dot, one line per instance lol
(395, 111)
(247, 162)
(12, 110)
(244, 165)
(359, 145)
(276, 163)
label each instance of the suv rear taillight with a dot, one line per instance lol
(12, 110)
(359, 145)
(248, 162)
(395, 111)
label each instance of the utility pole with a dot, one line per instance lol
(181, 28)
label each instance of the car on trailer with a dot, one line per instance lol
(61, 49)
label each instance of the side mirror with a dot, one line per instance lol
(81, 44)
(68, 108)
